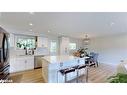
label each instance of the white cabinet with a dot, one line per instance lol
(29, 63)
(13, 65)
(42, 42)
(12, 40)
(64, 46)
(21, 64)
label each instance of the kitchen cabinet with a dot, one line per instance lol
(29, 63)
(42, 42)
(13, 64)
(21, 63)
(64, 46)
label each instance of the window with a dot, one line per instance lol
(72, 46)
(25, 42)
(53, 47)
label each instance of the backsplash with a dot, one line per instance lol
(38, 51)
(14, 52)
(41, 51)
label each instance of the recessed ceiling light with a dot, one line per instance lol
(48, 31)
(31, 24)
(32, 13)
(112, 23)
(60, 33)
(30, 30)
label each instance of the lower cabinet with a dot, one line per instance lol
(29, 63)
(21, 64)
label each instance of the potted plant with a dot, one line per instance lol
(118, 78)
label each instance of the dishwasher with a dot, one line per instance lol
(38, 61)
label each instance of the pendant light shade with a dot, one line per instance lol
(86, 40)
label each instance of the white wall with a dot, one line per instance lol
(111, 49)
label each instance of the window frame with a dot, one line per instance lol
(56, 46)
(25, 38)
(71, 44)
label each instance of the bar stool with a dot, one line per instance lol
(83, 66)
(65, 71)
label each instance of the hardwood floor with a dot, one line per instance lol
(101, 73)
(31, 76)
(96, 75)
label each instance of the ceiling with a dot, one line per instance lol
(73, 24)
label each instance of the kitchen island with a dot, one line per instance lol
(52, 64)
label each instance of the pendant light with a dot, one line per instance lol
(86, 40)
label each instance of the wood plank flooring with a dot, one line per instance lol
(31, 76)
(96, 75)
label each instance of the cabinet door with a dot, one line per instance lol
(42, 42)
(64, 46)
(30, 63)
(17, 64)
(13, 67)
(39, 42)
(20, 64)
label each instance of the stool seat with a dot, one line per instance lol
(67, 70)
(76, 67)
(81, 66)
(92, 64)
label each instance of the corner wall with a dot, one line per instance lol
(111, 49)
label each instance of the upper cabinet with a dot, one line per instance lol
(64, 46)
(42, 42)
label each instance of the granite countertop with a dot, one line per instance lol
(58, 59)
(20, 56)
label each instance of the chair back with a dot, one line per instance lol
(94, 56)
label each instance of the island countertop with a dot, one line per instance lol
(61, 58)
(52, 64)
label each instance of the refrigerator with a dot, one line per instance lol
(4, 55)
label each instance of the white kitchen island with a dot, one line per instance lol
(52, 64)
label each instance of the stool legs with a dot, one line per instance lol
(65, 78)
(86, 74)
(57, 77)
(77, 79)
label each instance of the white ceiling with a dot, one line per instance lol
(73, 24)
